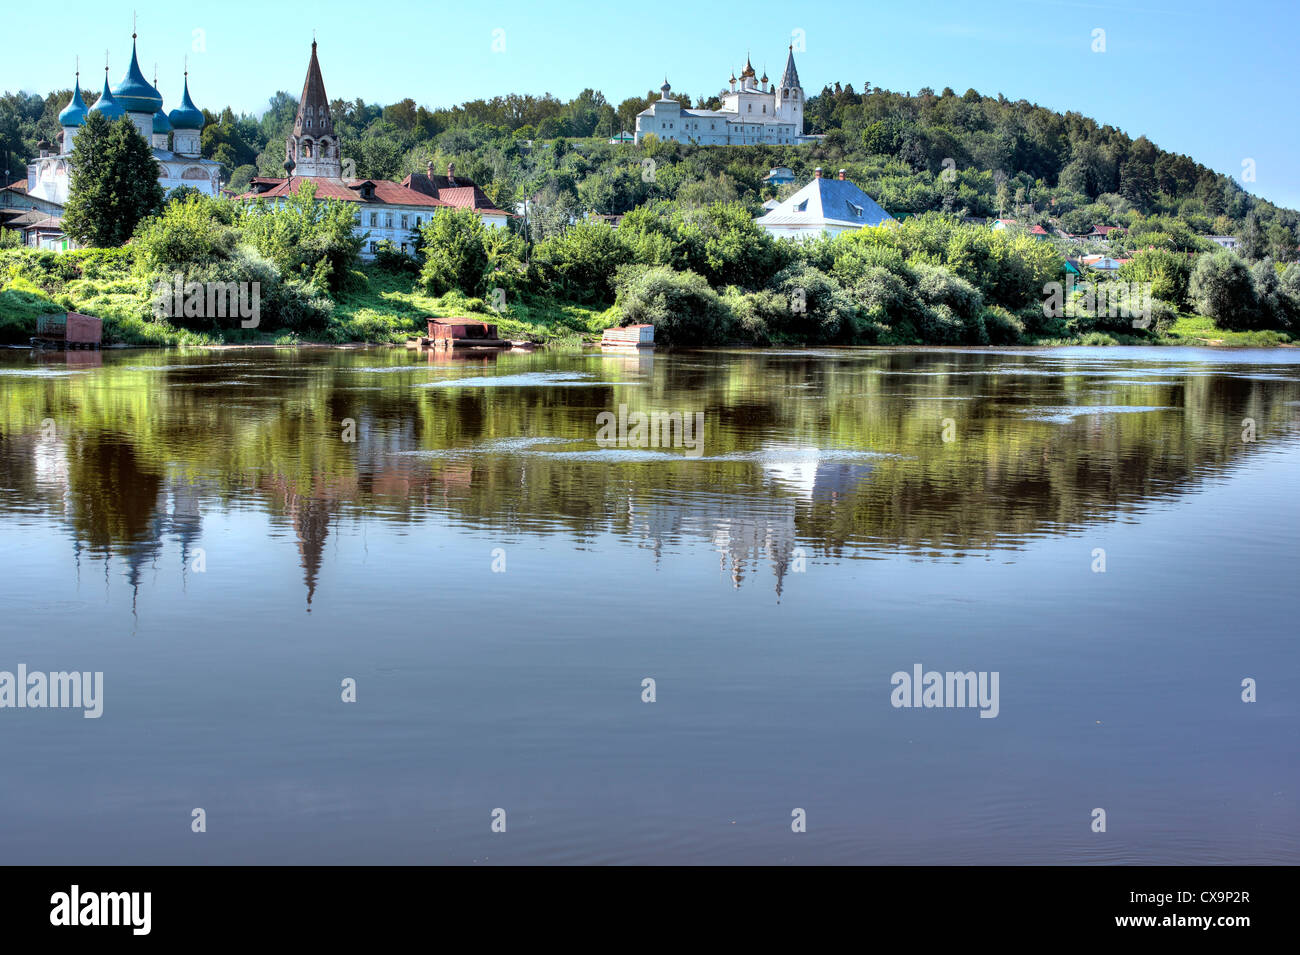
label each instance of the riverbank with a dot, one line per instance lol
(386, 307)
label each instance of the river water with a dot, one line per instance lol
(237, 538)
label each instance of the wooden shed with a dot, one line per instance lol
(68, 330)
(463, 333)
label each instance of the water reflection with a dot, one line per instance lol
(819, 456)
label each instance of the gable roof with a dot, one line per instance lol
(383, 192)
(453, 191)
(823, 201)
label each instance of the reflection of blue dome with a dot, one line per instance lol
(187, 115)
(106, 105)
(161, 126)
(74, 114)
(135, 94)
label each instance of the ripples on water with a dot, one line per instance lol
(850, 512)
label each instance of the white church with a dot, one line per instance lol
(752, 112)
(180, 164)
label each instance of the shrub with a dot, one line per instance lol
(1221, 287)
(681, 305)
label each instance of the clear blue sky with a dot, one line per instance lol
(1216, 80)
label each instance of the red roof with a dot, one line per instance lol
(383, 192)
(345, 190)
(455, 191)
(1038, 230)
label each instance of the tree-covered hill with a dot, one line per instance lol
(968, 154)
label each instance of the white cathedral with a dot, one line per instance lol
(48, 177)
(751, 113)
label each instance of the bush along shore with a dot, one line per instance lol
(203, 271)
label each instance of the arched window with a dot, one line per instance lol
(306, 150)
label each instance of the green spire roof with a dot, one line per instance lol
(187, 115)
(106, 105)
(135, 94)
(74, 114)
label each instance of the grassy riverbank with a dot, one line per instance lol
(386, 307)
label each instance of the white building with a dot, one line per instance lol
(824, 207)
(49, 176)
(751, 113)
(1227, 241)
(386, 211)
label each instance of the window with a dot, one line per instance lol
(855, 209)
(388, 221)
(802, 207)
(374, 218)
(404, 221)
(374, 246)
(417, 222)
(309, 124)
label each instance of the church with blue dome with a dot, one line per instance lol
(174, 136)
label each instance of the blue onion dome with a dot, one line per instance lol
(106, 105)
(187, 115)
(74, 114)
(135, 94)
(161, 125)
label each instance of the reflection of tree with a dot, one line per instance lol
(131, 440)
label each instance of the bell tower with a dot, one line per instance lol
(312, 146)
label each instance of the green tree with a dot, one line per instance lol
(454, 243)
(1221, 287)
(114, 183)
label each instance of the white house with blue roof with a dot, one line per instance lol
(824, 207)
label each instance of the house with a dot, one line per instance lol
(1000, 225)
(1227, 241)
(752, 112)
(824, 206)
(1038, 232)
(779, 176)
(1102, 263)
(1098, 233)
(457, 191)
(386, 211)
(38, 220)
(622, 137)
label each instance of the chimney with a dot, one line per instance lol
(818, 172)
(451, 173)
(428, 168)
(841, 175)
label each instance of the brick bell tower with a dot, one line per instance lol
(313, 147)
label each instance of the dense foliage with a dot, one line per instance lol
(114, 182)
